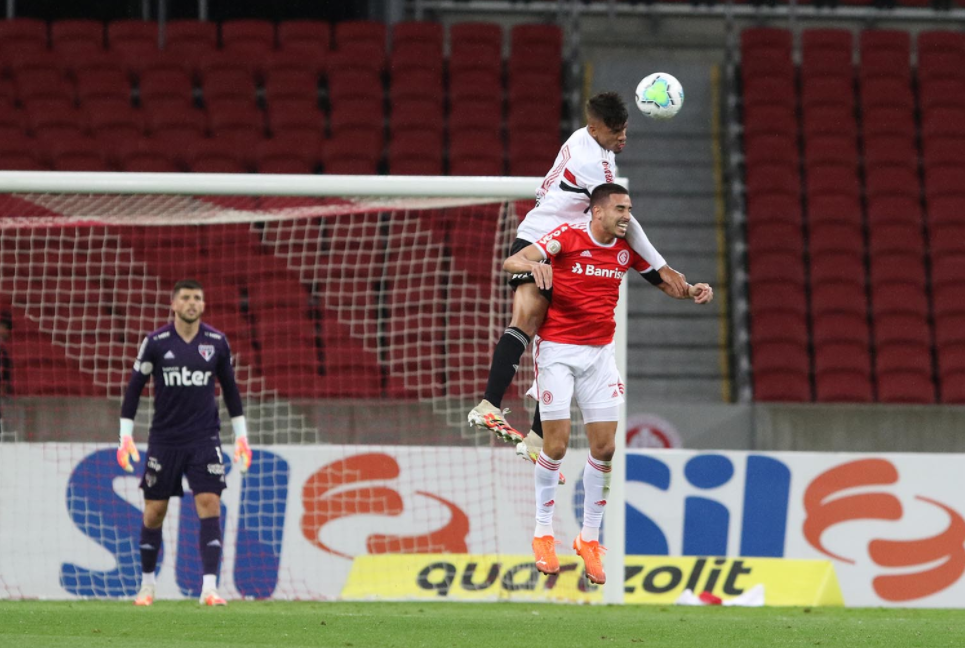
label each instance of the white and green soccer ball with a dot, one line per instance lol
(660, 96)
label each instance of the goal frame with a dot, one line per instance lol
(389, 187)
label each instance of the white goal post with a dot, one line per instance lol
(73, 221)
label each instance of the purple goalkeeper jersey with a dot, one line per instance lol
(185, 407)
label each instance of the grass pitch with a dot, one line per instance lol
(33, 624)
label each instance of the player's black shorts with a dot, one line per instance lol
(165, 468)
(520, 278)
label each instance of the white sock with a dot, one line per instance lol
(148, 579)
(547, 476)
(209, 582)
(596, 488)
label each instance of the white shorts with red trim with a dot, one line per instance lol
(565, 371)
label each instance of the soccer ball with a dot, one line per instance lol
(660, 96)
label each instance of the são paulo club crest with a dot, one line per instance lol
(623, 257)
(206, 351)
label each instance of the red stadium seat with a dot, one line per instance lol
(216, 156)
(288, 154)
(417, 85)
(773, 180)
(884, 121)
(830, 150)
(948, 210)
(165, 86)
(43, 84)
(944, 181)
(941, 123)
(763, 208)
(531, 154)
(900, 299)
(835, 209)
(415, 154)
(239, 118)
(312, 34)
(354, 84)
(352, 32)
(898, 268)
(282, 85)
(939, 41)
(837, 267)
(830, 120)
(296, 59)
(102, 84)
(76, 154)
(23, 34)
(75, 35)
(909, 387)
(137, 34)
(364, 57)
(827, 91)
(901, 329)
(901, 181)
(833, 179)
(757, 38)
(176, 122)
(775, 237)
(419, 33)
(934, 64)
(54, 121)
(769, 120)
(887, 92)
(779, 327)
(843, 387)
(890, 151)
(416, 115)
(469, 118)
(893, 40)
(295, 117)
(190, 35)
(247, 33)
(835, 40)
(840, 327)
(485, 33)
(113, 119)
(235, 85)
(144, 154)
(833, 298)
(357, 114)
(776, 91)
(827, 64)
(885, 210)
(896, 238)
(767, 64)
(355, 152)
(782, 386)
(476, 154)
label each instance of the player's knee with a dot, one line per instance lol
(207, 505)
(555, 449)
(154, 512)
(603, 451)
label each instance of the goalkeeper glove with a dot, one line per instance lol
(242, 449)
(126, 450)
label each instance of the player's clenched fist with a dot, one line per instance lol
(702, 293)
(126, 453)
(242, 454)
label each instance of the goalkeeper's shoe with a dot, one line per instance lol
(211, 598)
(242, 454)
(592, 555)
(488, 417)
(544, 553)
(127, 453)
(529, 449)
(145, 596)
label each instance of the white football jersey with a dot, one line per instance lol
(564, 197)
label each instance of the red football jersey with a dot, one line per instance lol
(586, 284)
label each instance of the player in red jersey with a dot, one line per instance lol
(586, 160)
(574, 357)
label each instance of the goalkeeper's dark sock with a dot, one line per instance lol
(537, 423)
(150, 547)
(505, 363)
(209, 540)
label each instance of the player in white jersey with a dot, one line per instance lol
(574, 357)
(585, 161)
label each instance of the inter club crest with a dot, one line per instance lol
(206, 351)
(623, 257)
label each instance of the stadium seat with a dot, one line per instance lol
(531, 154)
(941, 123)
(283, 85)
(288, 154)
(899, 299)
(844, 237)
(885, 121)
(74, 35)
(76, 154)
(886, 92)
(357, 114)
(416, 56)
(843, 386)
(939, 41)
(890, 151)
(354, 152)
(190, 35)
(416, 115)
(769, 120)
(762, 208)
(945, 240)
(165, 86)
(417, 85)
(910, 387)
(777, 266)
(837, 209)
(835, 40)
(235, 119)
(936, 64)
(235, 85)
(773, 180)
(830, 150)
(54, 120)
(113, 119)
(23, 34)
(766, 38)
(830, 120)
(354, 84)
(419, 34)
(944, 151)
(311, 34)
(475, 154)
(840, 327)
(766, 64)
(827, 63)
(349, 33)
(144, 154)
(898, 268)
(947, 210)
(837, 267)
(415, 153)
(898, 181)
(775, 236)
(885, 64)
(893, 40)
(901, 329)
(775, 91)
(295, 117)
(839, 297)
(176, 122)
(43, 84)
(102, 84)
(136, 34)
(475, 58)
(363, 56)
(252, 64)
(779, 327)
(470, 118)
(216, 155)
(944, 181)
(296, 59)
(896, 238)
(248, 32)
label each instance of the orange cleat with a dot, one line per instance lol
(592, 555)
(544, 551)
(211, 598)
(145, 597)
(487, 416)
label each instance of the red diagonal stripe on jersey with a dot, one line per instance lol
(569, 177)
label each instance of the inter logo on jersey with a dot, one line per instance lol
(623, 258)
(206, 351)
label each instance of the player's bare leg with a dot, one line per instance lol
(529, 311)
(596, 489)
(209, 541)
(150, 544)
(546, 480)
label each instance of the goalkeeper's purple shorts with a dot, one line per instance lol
(165, 467)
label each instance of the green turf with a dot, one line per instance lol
(32, 624)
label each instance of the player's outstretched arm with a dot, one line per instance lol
(528, 260)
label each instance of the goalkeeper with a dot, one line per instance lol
(183, 357)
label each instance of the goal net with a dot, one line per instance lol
(361, 313)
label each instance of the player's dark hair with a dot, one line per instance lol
(603, 192)
(609, 108)
(186, 284)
